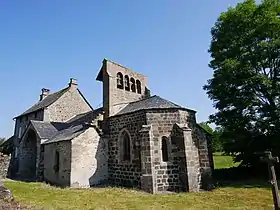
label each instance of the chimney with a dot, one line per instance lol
(44, 94)
(73, 82)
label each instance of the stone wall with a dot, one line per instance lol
(71, 103)
(4, 165)
(114, 98)
(62, 176)
(204, 148)
(89, 159)
(125, 173)
(166, 172)
(23, 121)
(20, 127)
(186, 149)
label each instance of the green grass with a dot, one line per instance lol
(236, 196)
(223, 161)
(42, 196)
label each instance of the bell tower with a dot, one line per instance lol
(120, 86)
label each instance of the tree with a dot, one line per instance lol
(217, 140)
(245, 87)
(206, 127)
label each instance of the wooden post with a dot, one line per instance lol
(272, 176)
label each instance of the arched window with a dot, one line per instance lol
(164, 148)
(56, 162)
(138, 86)
(119, 80)
(133, 88)
(126, 83)
(125, 154)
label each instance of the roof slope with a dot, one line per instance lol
(55, 132)
(66, 134)
(153, 102)
(46, 130)
(45, 102)
(85, 117)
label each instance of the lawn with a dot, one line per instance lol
(223, 161)
(42, 196)
(236, 196)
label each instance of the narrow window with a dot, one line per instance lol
(133, 88)
(125, 146)
(164, 149)
(56, 164)
(119, 80)
(126, 83)
(35, 115)
(138, 86)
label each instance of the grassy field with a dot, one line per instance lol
(41, 196)
(236, 196)
(222, 161)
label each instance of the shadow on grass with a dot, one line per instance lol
(241, 177)
(244, 184)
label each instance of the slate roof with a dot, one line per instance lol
(46, 130)
(66, 134)
(63, 131)
(85, 117)
(153, 102)
(45, 102)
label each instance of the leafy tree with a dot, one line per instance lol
(245, 87)
(206, 127)
(217, 140)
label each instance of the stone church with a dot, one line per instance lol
(133, 140)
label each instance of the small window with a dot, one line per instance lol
(164, 149)
(56, 163)
(125, 146)
(138, 86)
(133, 88)
(35, 115)
(119, 80)
(126, 83)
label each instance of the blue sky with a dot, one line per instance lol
(44, 43)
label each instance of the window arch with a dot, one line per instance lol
(133, 87)
(125, 146)
(126, 83)
(119, 80)
(164, 148)
(138, 86)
